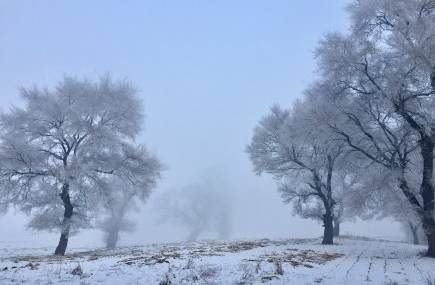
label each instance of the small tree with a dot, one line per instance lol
(124, 196)
(303, 158)
(67, 142)
(342, 185)
(114, 220)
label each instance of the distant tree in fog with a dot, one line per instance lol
(115, 220)
(122, 196)
(61, 152)
(304, 159)
(200, 208)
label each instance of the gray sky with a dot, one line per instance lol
(207, 71)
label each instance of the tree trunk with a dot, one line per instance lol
(328, 233)
(328, 203)
(336, 227)
(415, 239)
(414, 232)
(427, 188)
(427, 192)
(66, 223)
(431, 245)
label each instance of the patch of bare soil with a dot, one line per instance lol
(295, 257)
(198, 249)
(162, 257)
(155, 254)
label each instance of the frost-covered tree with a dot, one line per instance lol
(200, 208)
(117, 203)
(303, 158)
(389, 58)
(123, 196)
(60, 152)
(414, 231)
(411, 224)
(377, 195)
(372, 139)
(343, 182)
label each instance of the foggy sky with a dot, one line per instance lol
(206, 70)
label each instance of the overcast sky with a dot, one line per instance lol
(206, 70)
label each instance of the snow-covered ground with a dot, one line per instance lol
(296, 261)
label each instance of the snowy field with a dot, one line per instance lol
(297, 261)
